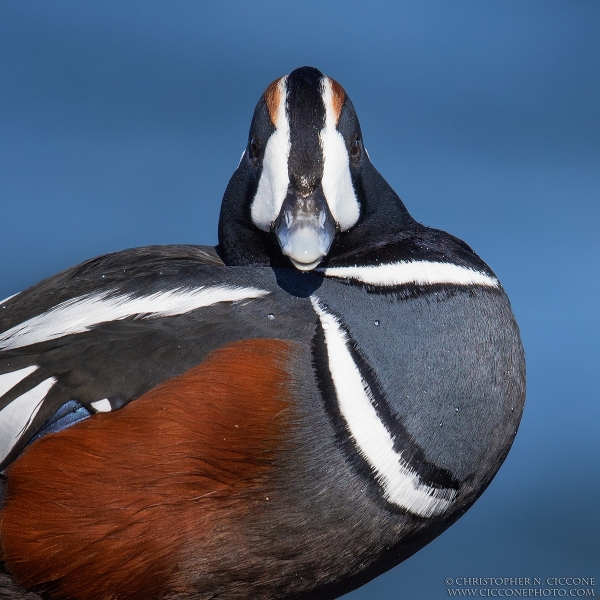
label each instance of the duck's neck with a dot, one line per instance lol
(384, 221)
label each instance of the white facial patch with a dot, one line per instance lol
(16, 416)
(274, 179)
(80, 314)
(400, 483)
(337, 181)
(418, 272)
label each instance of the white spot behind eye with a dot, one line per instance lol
(337, 181)
(274, 178)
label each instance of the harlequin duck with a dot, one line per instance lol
(285, 416)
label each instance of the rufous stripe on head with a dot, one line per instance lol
(272, 99)
(338, 97)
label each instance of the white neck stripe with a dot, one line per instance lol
(401, 484)
(80, 314)
(413, 272)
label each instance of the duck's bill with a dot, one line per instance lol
(305, 229)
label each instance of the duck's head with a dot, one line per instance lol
(304, 181)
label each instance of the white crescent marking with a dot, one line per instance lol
(401, 484)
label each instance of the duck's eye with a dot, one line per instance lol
(253, 148)
(355, 149)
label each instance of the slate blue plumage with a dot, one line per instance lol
(406, 374)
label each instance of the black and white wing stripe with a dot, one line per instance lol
(104, 333)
